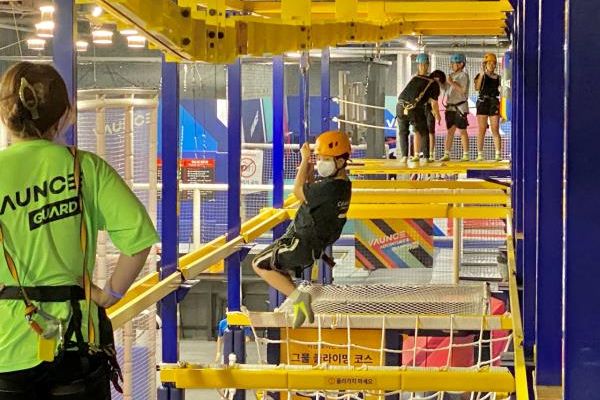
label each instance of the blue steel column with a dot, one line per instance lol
(530, 105)
(233, 340)
(169, 217)
(515, 113)
(276, 298)
(582, 219)
(325, 275)
(517, 157)
(234, 154)
(550, 163)
(64, 55)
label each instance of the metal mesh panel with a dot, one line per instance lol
(110, 131)
(393, 299)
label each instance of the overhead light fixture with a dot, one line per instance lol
(102, 36)
(136, 41)
(96, 11)
(129, 32)
(81, 45)
(36, 44)
(46, 9)
(45, 29)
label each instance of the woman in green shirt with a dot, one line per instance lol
(56, 342)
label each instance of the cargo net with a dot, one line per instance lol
(120, 126)
(343, 345)
(394, 299)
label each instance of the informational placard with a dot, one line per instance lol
(251, 168)
(308, 354)
(193, 170)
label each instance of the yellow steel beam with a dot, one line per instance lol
(395, 7)
(346, 10)
(419, 197)
(461, 32)
(458, 25)
(134, 303)
(391, 184)
(410, 379)
(374, 321)
(518, 337)
(382, 211)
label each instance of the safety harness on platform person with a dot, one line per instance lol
(51, 329)
(409, 106)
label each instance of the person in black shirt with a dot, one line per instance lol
(487, 82)
(419, 91)
(318, 223)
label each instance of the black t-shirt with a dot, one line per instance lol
(490, 86)
(321, 218)
(416, 86)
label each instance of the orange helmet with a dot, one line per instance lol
(332, 144)
(490, 57)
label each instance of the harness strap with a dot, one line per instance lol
(48, 294)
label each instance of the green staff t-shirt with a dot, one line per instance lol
(41, 223)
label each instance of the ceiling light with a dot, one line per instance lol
(45, 29)
(129, 32)
(47, 9)
(136, 41)
(81, 45)
(102, 36)
(36, 44)
(96, 11)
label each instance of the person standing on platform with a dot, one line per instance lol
(411, 110)
(457, 107)
(318, 222)
(487, 83)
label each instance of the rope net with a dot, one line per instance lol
(333, 346)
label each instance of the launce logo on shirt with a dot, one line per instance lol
(49, 212)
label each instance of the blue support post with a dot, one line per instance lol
(517, 157)
(169, 219)
(234, 339)
(325, 272)
(64, 55)
(276, 298)
(530, 105)
(582, 218)
(234, 154)
(550, 194)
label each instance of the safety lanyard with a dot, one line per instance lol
(30, 308)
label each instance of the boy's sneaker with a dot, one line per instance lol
(301, 301)
(402, 160)
(445, 158)
(498, 157)
(465, 157)
(480, 157)
(414, 159)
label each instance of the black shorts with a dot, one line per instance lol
(455, 118)
(488, 106)
(70, 378)
(291, 254)
(430, 122)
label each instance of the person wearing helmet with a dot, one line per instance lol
(318, 223)
(457, 106)
(411, 110)
(487, 82)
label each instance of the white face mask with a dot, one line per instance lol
(326, 168)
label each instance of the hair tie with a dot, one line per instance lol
(31, 104)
